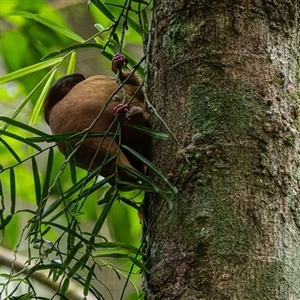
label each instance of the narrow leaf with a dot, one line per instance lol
(139, 264)
(23, 126)
(88, 280)
(78, 265)
(48, 174)
(39, 104)
(145, 21)
(67, 136)
(134, 25)
(68, 230)
(37, 183)
(152, 167)
(71, 163)
(11, 150)
(72, 63)
(65, 286)
(12, 180)
(28, 70)
(142, 177)
(2, 196)
(65, 31)
(71, 48)
(104, 9)
(25, 101)
(148, 131)
(19, 138)
(112, 193)
(71, 256)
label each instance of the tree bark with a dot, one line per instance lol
(225, 79)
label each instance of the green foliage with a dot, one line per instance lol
(65, 231)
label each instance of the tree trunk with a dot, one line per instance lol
(225, 79)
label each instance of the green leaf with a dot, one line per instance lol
(65, 31)
(72, 163)
(148, 131)
(39, 104)
(1, 196)
(23, 126)
(48, 174)
(145, 21)
(88, 280)
(72, 63)
(37, 183)
(65, 286)
(145, 179)
(135, 26)
(115, 245)
(111, 195)
(11, 150)
(68, 230)
(118, 253)
(72, 48)
(104, 9)
(19, 138)
(71, 257)
(12, 180)
(130, 203)
(57, 138)
(100, 27)
(141, 1)
(139, 264)
(25, 101)
(152, 167)
(79, 264)
(30, 69)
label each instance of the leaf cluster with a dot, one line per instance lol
(72, 253)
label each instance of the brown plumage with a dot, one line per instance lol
(73, 103)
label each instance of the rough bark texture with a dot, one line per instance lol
(225, 79)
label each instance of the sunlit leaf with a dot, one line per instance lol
(11, 150)
(19, 138)
(39, 104)
(102, 7)
(100, 27)
(135, 26)
(72, 63)
(23, 126)
(2, 195)
(12, 179)
(28, 70)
